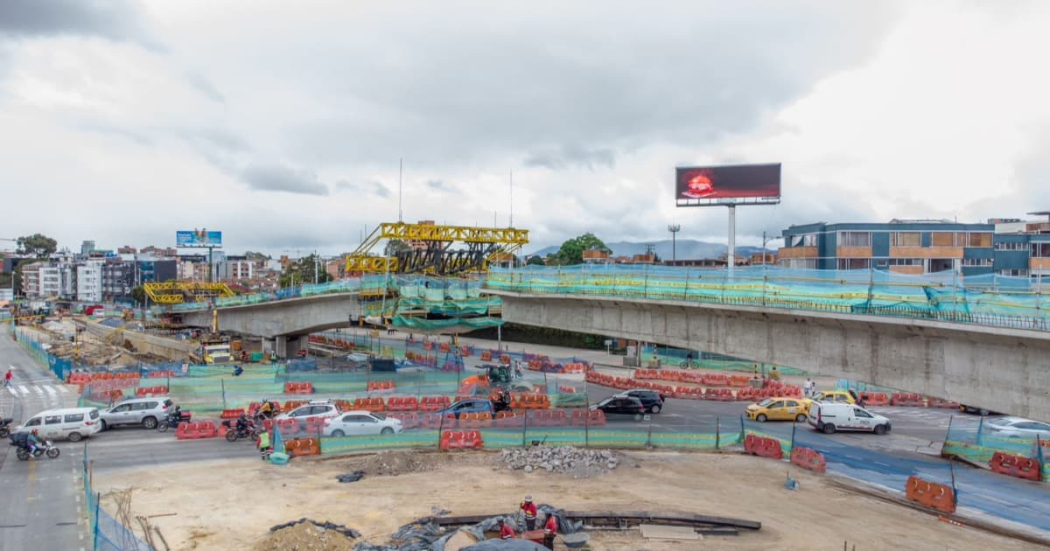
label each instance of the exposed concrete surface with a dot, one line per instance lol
(292, 317)
(165, 347)
(1006, 370)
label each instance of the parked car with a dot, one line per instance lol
(361, 423)
(70, 423)
(472, 405)
(618, 406)
(838, 396)
(779, 409)
(651, 399)
(831, 417)
(146, 412)
(977, 409)
(1019, 427)
(322, 409)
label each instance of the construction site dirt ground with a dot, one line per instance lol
(232, 504)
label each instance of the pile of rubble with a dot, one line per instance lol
(576, 462)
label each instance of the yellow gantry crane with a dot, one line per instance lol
(430, 249)
(178, 292)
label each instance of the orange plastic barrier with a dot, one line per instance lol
(288, 426)
(486, 356)
(151, 391)
(908, 400)
(369, 404)
(507, 419)
(593, 418)
(532, 401)
(763, 447)
(380, 385)
(930, 494)
(161, 374)
(481, 420)
(292, 404)
(809, 459)
(1016, 465)
(402, 403)
(231, 413)
(298, 388)
(939, 403)
(434, 403)
(314, 424)
(454, 440)
(875, 398)
(297, 447)
(192, 431)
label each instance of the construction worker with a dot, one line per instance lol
(264, 445)
(774, 374)
(549, 531)
(530, 513)
(505, 531)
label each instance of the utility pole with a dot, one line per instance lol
(674, 229)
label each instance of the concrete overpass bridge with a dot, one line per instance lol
(1000, 368)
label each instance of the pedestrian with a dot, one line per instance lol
(7, 378)
(774, 374)
(807, 388)
(550, 530)
(505, 531)
(530, 513)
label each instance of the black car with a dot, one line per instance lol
(978, 410)
(651, 399)
(621, 405)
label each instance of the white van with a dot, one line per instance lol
(830, 417)
(71, 423)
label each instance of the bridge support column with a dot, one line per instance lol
(269, 345)
(288, 347)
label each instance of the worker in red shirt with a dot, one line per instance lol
(505, 531)
(530, 513)
(549, 531)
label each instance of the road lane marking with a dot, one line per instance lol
(51, 390)
(23, 389)
(38, 390)
(64, 389)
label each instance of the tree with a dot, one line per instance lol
(395, 246)
(138, 294)
(571, 251)
(302, 271)
(37, 245)
(535, 261)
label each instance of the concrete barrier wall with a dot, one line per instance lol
(172, 349)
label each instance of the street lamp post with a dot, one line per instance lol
(767, 240)
(674, 229)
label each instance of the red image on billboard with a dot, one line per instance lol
(743, 184)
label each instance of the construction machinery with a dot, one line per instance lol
(435, 249)
(178, 292)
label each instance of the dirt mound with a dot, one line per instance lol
(393, 463)
(305, 536)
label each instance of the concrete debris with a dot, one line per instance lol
(575, 462)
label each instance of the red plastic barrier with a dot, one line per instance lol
(763, 447)
(434, 403)
(298, 388)
(908, 400)
(191, 431)
(288, 426)
(809, 459)
(231, 413)
(399, 403)
(945, 404)
(1016, 466)
(930, 494)
(875, 398)
(453, 440)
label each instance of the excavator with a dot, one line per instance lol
(495, 377)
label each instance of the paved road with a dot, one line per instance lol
(41, 504)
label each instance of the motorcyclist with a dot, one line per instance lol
(176, 415)
(32, 440)
(266, 409)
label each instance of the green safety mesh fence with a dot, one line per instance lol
(990, 300)
(977, 443)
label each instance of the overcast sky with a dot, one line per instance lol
(281, 123)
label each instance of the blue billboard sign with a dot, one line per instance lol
(198, 238)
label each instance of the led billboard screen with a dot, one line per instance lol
(198, 238)
(697, 186)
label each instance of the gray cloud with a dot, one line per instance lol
(118, 20)
(572, 156)
(441, 186)
(276, 177)
(205, 87)
(371, 186)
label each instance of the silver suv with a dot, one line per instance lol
(137, 411)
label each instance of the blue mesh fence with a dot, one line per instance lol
(106, 533)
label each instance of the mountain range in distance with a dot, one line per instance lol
(686, 249)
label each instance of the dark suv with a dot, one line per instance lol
(651, 399)
(621, 405)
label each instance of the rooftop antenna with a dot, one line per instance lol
(511, 198)
(400, 172)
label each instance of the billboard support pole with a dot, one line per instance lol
(732, 241)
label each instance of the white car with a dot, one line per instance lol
(315, 409)
(830, 417)
(1018, 427)
(361, 423)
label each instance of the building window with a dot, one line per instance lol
(1011, 246)
(855, 239)
(854, 263)
(906, 239)
(941, 265)
(1014, 273)
(799, 263)
(942, 239)
(905, 262)
(1040, 250)
(803, 240)
(982, 240)
(977, 262)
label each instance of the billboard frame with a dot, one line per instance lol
(195, 235)
(726, 201)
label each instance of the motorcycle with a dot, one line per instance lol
(172, 421)
(5, 427)
(44, 447)
(251, 431)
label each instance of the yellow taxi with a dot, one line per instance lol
(834, 396)
(779, 409)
